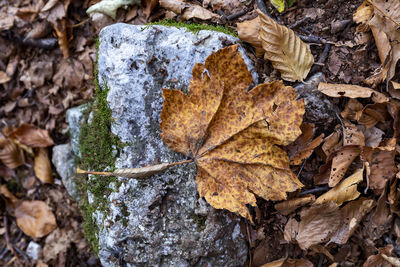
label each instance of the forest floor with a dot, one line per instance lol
(47, 55)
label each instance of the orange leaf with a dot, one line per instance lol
(233, 134)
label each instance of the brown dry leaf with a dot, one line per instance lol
(70, 74)
(332, 142)
(32, 136)
(317, 224)
(373, 136)
(59, 241)
(346, 190)
(149, 5)
(291, 230)
(352, 135)
(303, 146)
(373, 113)
(363, 13)
(248, 31)
(233, 134)
(9, 198)
(4, 78)
(198, 12)
(289, 263)
(378, 260)
(382, 167)
(42, 165)
(341, 162)
(176, 6)
(387, 18)
(287, 53)
(352, 215)
(352, 111)
(35, 218)
(10, 154)
(290, 205)
(351, 91)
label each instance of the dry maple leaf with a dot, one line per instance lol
(233, 134)
(287, 53)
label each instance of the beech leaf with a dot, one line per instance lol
(287, 53)
(42, 165)
(35, 218)
(10, 154)
(233, 134)
(32, 136)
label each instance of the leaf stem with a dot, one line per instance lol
(181, 162)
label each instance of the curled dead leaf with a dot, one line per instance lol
(303, 146)
(341, 161)
(42, 165)
(35, 218)
(32, 136)
(378, 260)
(10, 154)
(287, 53)
(352, 110)
(351, 91)
(248, 31)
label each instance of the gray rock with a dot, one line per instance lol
(75, 118)
(64, 160)
(319, 107)
(33, 250)
(167, 225)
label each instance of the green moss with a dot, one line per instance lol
(98, 147)
(194, 27)
(200, 221)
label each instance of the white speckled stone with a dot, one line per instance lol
(162, 228)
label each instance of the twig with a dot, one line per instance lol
(312, 39)
(238, 14)
(315, 190)
(300, 22)
(322, 58)
(80, 23)
(249, 240)
(261, 6)
(9, 244)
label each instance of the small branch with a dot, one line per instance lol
(315, 190)
(9, 244)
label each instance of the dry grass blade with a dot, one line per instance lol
(137, 173)
(285, 50)
(10, 154)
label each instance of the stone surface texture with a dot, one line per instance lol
(167, 224)
(320, 109)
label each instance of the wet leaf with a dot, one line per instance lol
(317, 224)
(351, 91)
(346, 190)
(287, 53)
(303, 146)
(352, 215)
(42, 165)
(35, 218)
(32, 136)
(110, 7)
(232, 133)
(10, 154)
